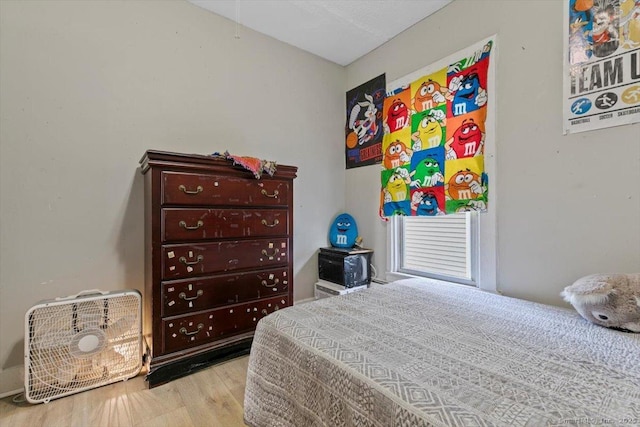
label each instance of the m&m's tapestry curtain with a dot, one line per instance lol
(434, 137)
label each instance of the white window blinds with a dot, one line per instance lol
(437, 245)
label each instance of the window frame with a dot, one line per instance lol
(396, 240)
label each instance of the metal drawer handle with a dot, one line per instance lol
(274, 195)
(188, 227)
(276, 308)
(199, 189)
(275, 222)
(183, 330)
(184, 296)
(275, 252)
(185, 262)
(275, 282)
(264, 311)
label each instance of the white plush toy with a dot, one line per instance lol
(610, 300)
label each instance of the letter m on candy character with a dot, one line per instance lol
(460, 109)
(464, 194)
(427, 105)
(470, 148)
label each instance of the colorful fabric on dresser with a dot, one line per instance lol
(252, 164)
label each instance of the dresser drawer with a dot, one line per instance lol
(183, 332)
(180, 188)
(195, 224)
(188, 260)
(184, 296)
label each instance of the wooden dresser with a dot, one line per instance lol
(218, 258)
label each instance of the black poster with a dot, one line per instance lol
(363, 129)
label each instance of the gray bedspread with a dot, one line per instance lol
(419, 352)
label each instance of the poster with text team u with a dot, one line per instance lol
(601, 64)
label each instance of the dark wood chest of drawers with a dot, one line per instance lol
(218, 258)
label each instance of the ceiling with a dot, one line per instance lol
(340, 31)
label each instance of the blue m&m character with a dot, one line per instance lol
(343, 231)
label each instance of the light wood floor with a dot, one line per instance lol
(212, 397)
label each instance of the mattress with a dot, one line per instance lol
(419, 352)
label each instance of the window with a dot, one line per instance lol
(441, 247)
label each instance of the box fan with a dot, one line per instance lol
(80, 342)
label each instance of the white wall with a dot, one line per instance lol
(87, 87)
(566, 206)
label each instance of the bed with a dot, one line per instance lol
(419, 352)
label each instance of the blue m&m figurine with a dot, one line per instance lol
(343, 232)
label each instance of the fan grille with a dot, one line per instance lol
(81, 344)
